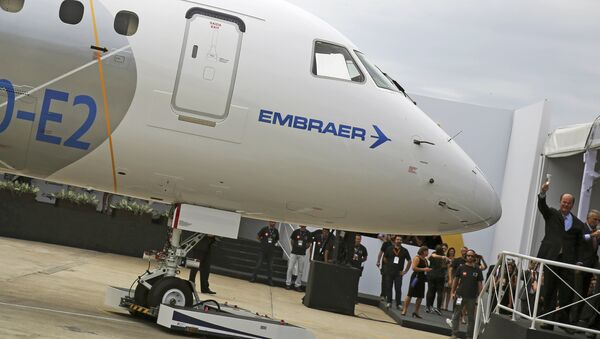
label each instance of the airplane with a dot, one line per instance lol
(223, 108)
(254, 107)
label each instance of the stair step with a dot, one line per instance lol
(245, 246)
(263, 268)
(250, 258)
(237, 258)
(248, 262)
(277, 281)
(244, 252)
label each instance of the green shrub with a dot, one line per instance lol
(132, 207)
(18, 188)
(77, 198)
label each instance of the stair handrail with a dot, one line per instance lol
(285, 231)
(486, 305)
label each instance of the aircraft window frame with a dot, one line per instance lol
(377, 75)
(12, 6)
(71, 12)
(128, 30)
(313, 64)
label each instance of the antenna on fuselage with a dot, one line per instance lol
(457, 134)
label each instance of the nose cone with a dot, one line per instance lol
(466, 199)
(486, 205)
(473, 204)
(454, 192)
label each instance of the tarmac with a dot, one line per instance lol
(50, 291)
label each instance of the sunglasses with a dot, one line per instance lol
(470, 255)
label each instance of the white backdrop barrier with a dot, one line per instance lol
(528, 134)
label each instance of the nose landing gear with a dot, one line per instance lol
(173, 302)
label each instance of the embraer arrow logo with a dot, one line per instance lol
(323, 127)
(381, 138)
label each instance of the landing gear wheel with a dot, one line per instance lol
(141, 293)
(171, 291)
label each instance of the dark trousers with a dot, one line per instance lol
(582, 286)
(588, 314)
(552, 287)
(435, 286)
(394, 280)
(267, 256)
(383, 283)
(527, 303)
(204, 273)
(467, 304)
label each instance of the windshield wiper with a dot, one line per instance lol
(400, 88)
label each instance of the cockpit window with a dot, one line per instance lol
(12, 6)
(335, 61)
(71, 12)
(381, 80)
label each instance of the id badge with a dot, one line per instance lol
(299, 242)
(396, 260)
(270, 240)
(459, 301)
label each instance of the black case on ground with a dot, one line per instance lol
(332, 287)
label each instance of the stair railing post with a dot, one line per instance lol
(500, 287)
(537, 296)
(492, 287)
(516, 298)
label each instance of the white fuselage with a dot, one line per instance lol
(247, 161)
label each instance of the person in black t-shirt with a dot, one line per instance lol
(359, 254)
(456, 263)
(396, 263)
(467, 284)
(436, 279)
(345, 241)
(386, 242)
(268, 237)
(300, 241)
(323, 245)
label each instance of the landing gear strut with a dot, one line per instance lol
(161, 285)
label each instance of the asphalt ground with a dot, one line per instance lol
(49, 291)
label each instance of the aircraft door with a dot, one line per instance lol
(208, 64)
(15, 124)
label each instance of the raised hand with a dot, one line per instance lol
(545, 186)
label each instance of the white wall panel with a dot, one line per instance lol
(518, 199)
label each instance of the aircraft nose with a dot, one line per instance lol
(470, 205)
(486, 203)
(463, 199)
